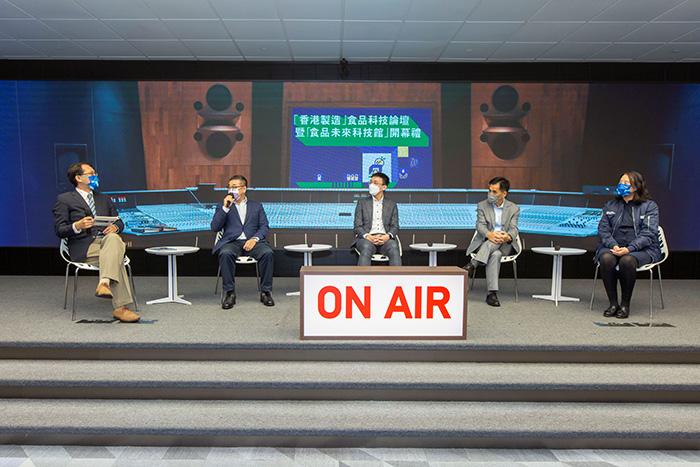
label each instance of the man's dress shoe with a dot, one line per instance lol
(492, 299)
(229, 300)
(266, 299)
(125, 315)
(470, 268)
(103, 290)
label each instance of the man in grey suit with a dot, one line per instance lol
(377, 224)
(496, 230)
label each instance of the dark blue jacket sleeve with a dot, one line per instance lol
(263, 225)
(605, 227)
(648, 228)
(219, 219)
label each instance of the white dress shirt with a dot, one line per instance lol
(242, 209)
(377, 221)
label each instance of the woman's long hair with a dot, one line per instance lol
(637, 182)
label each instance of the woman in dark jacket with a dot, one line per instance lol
(628, 232)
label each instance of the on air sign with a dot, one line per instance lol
(350, 302)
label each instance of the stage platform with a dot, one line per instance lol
(529, 375)
(33, 318)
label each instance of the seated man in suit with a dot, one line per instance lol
(74, 214)
(245, 227)
(496, 228)
(377, 224)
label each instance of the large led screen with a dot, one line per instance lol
(165, 150)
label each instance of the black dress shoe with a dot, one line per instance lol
(623, 312)
(492, 299)
(229, 300)
(266, 299)
(470, 268)
(611, 311)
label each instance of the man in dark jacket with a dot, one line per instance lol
(74, 218)
(377, 224)
(245, 227)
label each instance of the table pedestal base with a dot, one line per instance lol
(173, 296)
(556, 295)
(432, 258)
(560, 298)
(307, 262)
(177, 299)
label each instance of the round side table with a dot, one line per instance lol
(432, 250)
(557, 257)
(172, 252)
(308, 251)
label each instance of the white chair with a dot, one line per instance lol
(383, 258)
(506, 259)
(239, 260)
(647, 267)
(65, 254)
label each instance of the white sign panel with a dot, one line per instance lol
(383, 306)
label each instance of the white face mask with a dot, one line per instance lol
(234, 192)
(373, 189)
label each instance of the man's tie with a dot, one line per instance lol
(91, 203)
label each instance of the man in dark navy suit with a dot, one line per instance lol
(74, 214)
(245, 227)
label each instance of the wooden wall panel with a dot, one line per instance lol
(555, 123)
(169, 121)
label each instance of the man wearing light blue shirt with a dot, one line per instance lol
(496, 228)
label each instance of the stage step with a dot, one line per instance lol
(349, 423)
(362, 352)
(387, 381)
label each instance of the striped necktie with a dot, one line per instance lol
(91, 203)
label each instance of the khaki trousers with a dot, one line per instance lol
(107, 253)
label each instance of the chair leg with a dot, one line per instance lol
(133, 287)
(216, 287)
(471, 282)
(65, 295)
(595, 279)
(515, 274)
(651, 294)
(75, 292)
(661, 286)
(257, 274)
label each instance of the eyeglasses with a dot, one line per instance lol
(233, 187)
(89, 174)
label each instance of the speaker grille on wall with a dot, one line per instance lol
(67, 155)
(505, 133)
(218, 131)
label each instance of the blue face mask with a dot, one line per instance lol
(94, 181)
(623, 189)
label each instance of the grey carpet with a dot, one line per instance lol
(350, 418)
(387, 375)
(32, 313)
